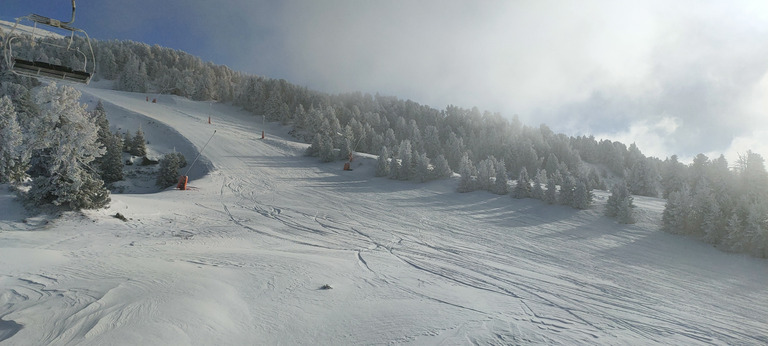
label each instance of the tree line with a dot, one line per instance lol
(420, 143)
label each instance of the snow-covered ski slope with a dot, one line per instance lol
(240, 258)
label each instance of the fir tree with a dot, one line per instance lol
(582, 196)
(550, 196)
(314, 148)
(643, 178)
(500, 184)
(485, 171)
(100, 118)
(70, 137)
(567, 190)
(466, 170)
(168, 173)
(345, 151)
(326, 149)
(675, 218)
(127, 142)
(537, 191)
(619, 204)
(405, 155)
(523, 186)
(139, 145)
(382, 164)
(111, 163)
(441, 169)
(13, 164)
(422, 168)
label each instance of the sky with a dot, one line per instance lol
(676, 77)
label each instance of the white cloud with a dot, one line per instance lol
(652, 137)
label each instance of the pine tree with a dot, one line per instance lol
(345, 151)
(139, 145)
(550, 196)
(100, 119)
(168, 173)
(441, 169)
(466, 170)
(756, 230)
(523, 186)
(567, 190)
(537, 191)
(582, 196)
(314, 148)
(127, 142)
(485, 171)
(734, 233)
(432, 141)
(500, 184)
(70, 140)
(552, 164)
(713, 222)
(326, 149)
(619, 204)
(382, 164)
(676, 215)
(626, 213)
(111, 163)
(642, 179)
(13, 163)
(422, 169)
(405, 155)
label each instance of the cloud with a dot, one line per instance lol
(707, 68)
(656, 136)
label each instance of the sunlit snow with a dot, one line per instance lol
(241, 258)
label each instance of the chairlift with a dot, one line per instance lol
(42, 69)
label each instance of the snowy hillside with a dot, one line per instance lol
(6, 26)
(241, 257)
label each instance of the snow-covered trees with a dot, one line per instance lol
(314, 148)
(486, 171)
(467, 170)
(582, 196)
(422, 171)
(643, 178)
(12, 154)
(382, 163)
(537, 190)
(441, 170)
(550, 196)
(501, 186)
(523, 185)
(619, 204)
(138, 144)
(677, 211)
(168, 174)
(326, 149)
(452, 132)
(67, 137)
(111, 163)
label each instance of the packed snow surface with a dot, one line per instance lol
(243, 256)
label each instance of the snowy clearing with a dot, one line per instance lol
(241, 257)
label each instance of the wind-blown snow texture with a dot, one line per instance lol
(241, 257)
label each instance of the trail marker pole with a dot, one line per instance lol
(185, 177)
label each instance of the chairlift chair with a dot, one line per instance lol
(41, 69)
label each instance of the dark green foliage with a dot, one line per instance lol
(138, 144)
(168, 174)
(111, 163)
